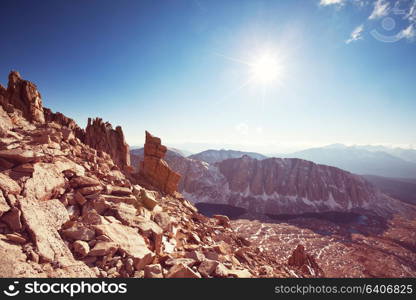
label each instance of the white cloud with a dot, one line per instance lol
(356, 34)
(331, 2)
(381, 9)
(408, 33)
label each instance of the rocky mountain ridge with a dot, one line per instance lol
(70, 205)
(279, 186)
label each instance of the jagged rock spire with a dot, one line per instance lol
(155, 169)
(24, 95)
(101, 136)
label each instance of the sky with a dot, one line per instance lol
(266, 76)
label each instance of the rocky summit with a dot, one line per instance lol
(71, 206)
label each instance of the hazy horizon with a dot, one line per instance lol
(194, 148)
(259, 76)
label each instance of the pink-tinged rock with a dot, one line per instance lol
(240, 273)
(79, 232)
(221, 270)
(153, 271)
(4, 206)
(57, 212)
(222, 220)
(155, 169)
(181, 271)
(118, 190)
(185, 261)
(20, 156)
(48, 242)
(23, 95)
(12, 218)
(148, 198)
(13, 262)
(80, 198)
(46, 182)
(102, 137)
(8, 185)
(129, 241)
(103, 249)
(89, 190)
(305, 262)
(81, 247)
(207, 267)
(25, 168)
(16, 238)
(83, 181)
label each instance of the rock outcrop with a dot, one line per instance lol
(73, 129)
(155, 169)
(23, 95)
(304, 262)
(102, 137)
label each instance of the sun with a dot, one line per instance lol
(266, 69)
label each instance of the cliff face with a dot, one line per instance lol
(279, 186)
(101, 136)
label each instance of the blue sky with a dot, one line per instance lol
(183, 68)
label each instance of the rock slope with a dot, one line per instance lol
(69, 210)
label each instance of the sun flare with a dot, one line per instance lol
(266, 69)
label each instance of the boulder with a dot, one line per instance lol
(118, 190)
(103, 249)
(81, 248)
(14, 263)
(12, 218)
(16, 238)
(57, 213)
(181, 271)
(20, 156)
(148, 198)
(153, 271)
(79, 232)
(129, 241)
(305, 262)
(240, 273)
(221, 271)
(4, 206)
(46, 182)
(185, 261)
(222, 220)
(48, 242)
(207, 267)
(8, 185)
(83, 181)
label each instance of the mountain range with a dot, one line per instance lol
(368, 160)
